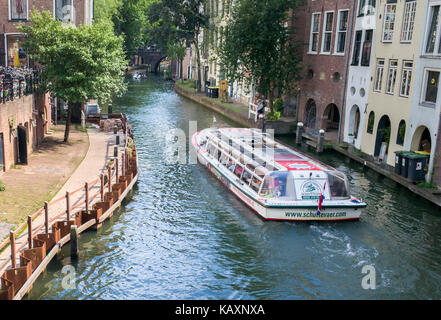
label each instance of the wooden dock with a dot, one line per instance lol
(42, 245)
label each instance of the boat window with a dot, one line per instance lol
(211, 149)
(338, 185)
(278, 185)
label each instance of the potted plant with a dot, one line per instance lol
(351, 138)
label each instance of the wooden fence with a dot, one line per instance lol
(90, 210)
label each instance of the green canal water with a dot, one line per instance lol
(182, 235)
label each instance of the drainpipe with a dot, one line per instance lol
(343, 105)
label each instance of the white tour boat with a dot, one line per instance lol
(275, 181)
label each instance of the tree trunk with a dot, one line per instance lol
(68, 121)
(198, 58)
(270, 98)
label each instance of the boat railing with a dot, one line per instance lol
(256, 152)
(245, 165)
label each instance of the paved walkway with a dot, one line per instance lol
(100, 151)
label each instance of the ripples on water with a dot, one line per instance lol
(183, 236)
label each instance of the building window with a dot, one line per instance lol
(327, 32)
(342, 29)
(389, 21)
(408, 21)
(367, 47)
(391, 76)
(18, 9)
(431, 87)
(371, 122)
(366, 7)
(379, 75)
(315, 27)
(432, 31)
(64, 10)
(406, 79)
(357, 48)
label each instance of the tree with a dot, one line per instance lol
(104, 10)
(79, 63)
(182, 21)
(176, 51)
(259, 47)
(129, 21)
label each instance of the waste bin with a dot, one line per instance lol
(417, 166)
(398, 161)
(215, 92)
(404, 163)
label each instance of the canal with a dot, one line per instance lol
(183, 236)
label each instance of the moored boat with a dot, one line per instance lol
(276, 182)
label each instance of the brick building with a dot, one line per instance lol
(13, 12)
(25, 119)
(326, 27)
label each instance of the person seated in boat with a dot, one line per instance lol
(231, 166)
(238, 171)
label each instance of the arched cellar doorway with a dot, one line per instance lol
(383, 138)
(421, 140)
(331, 118)
(354, 122)
(310, 114)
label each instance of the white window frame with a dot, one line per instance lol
(10, 11)
(405, 78)
(327, 32)
(408, 23)
(437, 29)
(319, 14)
(393, 69)
(379, 75)
(361, 12)
(338, 32)
(424, 88)
(389, 22)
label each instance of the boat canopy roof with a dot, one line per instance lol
(270, 168)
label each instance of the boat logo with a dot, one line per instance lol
(311, 190)
(299, 166)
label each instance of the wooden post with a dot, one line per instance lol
(115, 151)
(74, 241)
(116, 169)
(299, 133)
(30, 232)
(123, 172)
(109, 172)
(12, 240)
(102, 187)
(321, 140)
(86, 188)
(46, 217)
(67, 205)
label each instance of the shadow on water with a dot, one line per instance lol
(183, 236)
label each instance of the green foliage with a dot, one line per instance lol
(104, 10)
(79, 63)
(426, 185)
(2, 186)
(259, 48)
(273, 116)
(131, 22)
(176, 51)
(278, 105)
(178, 22)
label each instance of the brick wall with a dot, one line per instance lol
(321, 86)
(21, 109)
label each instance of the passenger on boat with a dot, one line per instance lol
(238, 171)
(231, 166)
